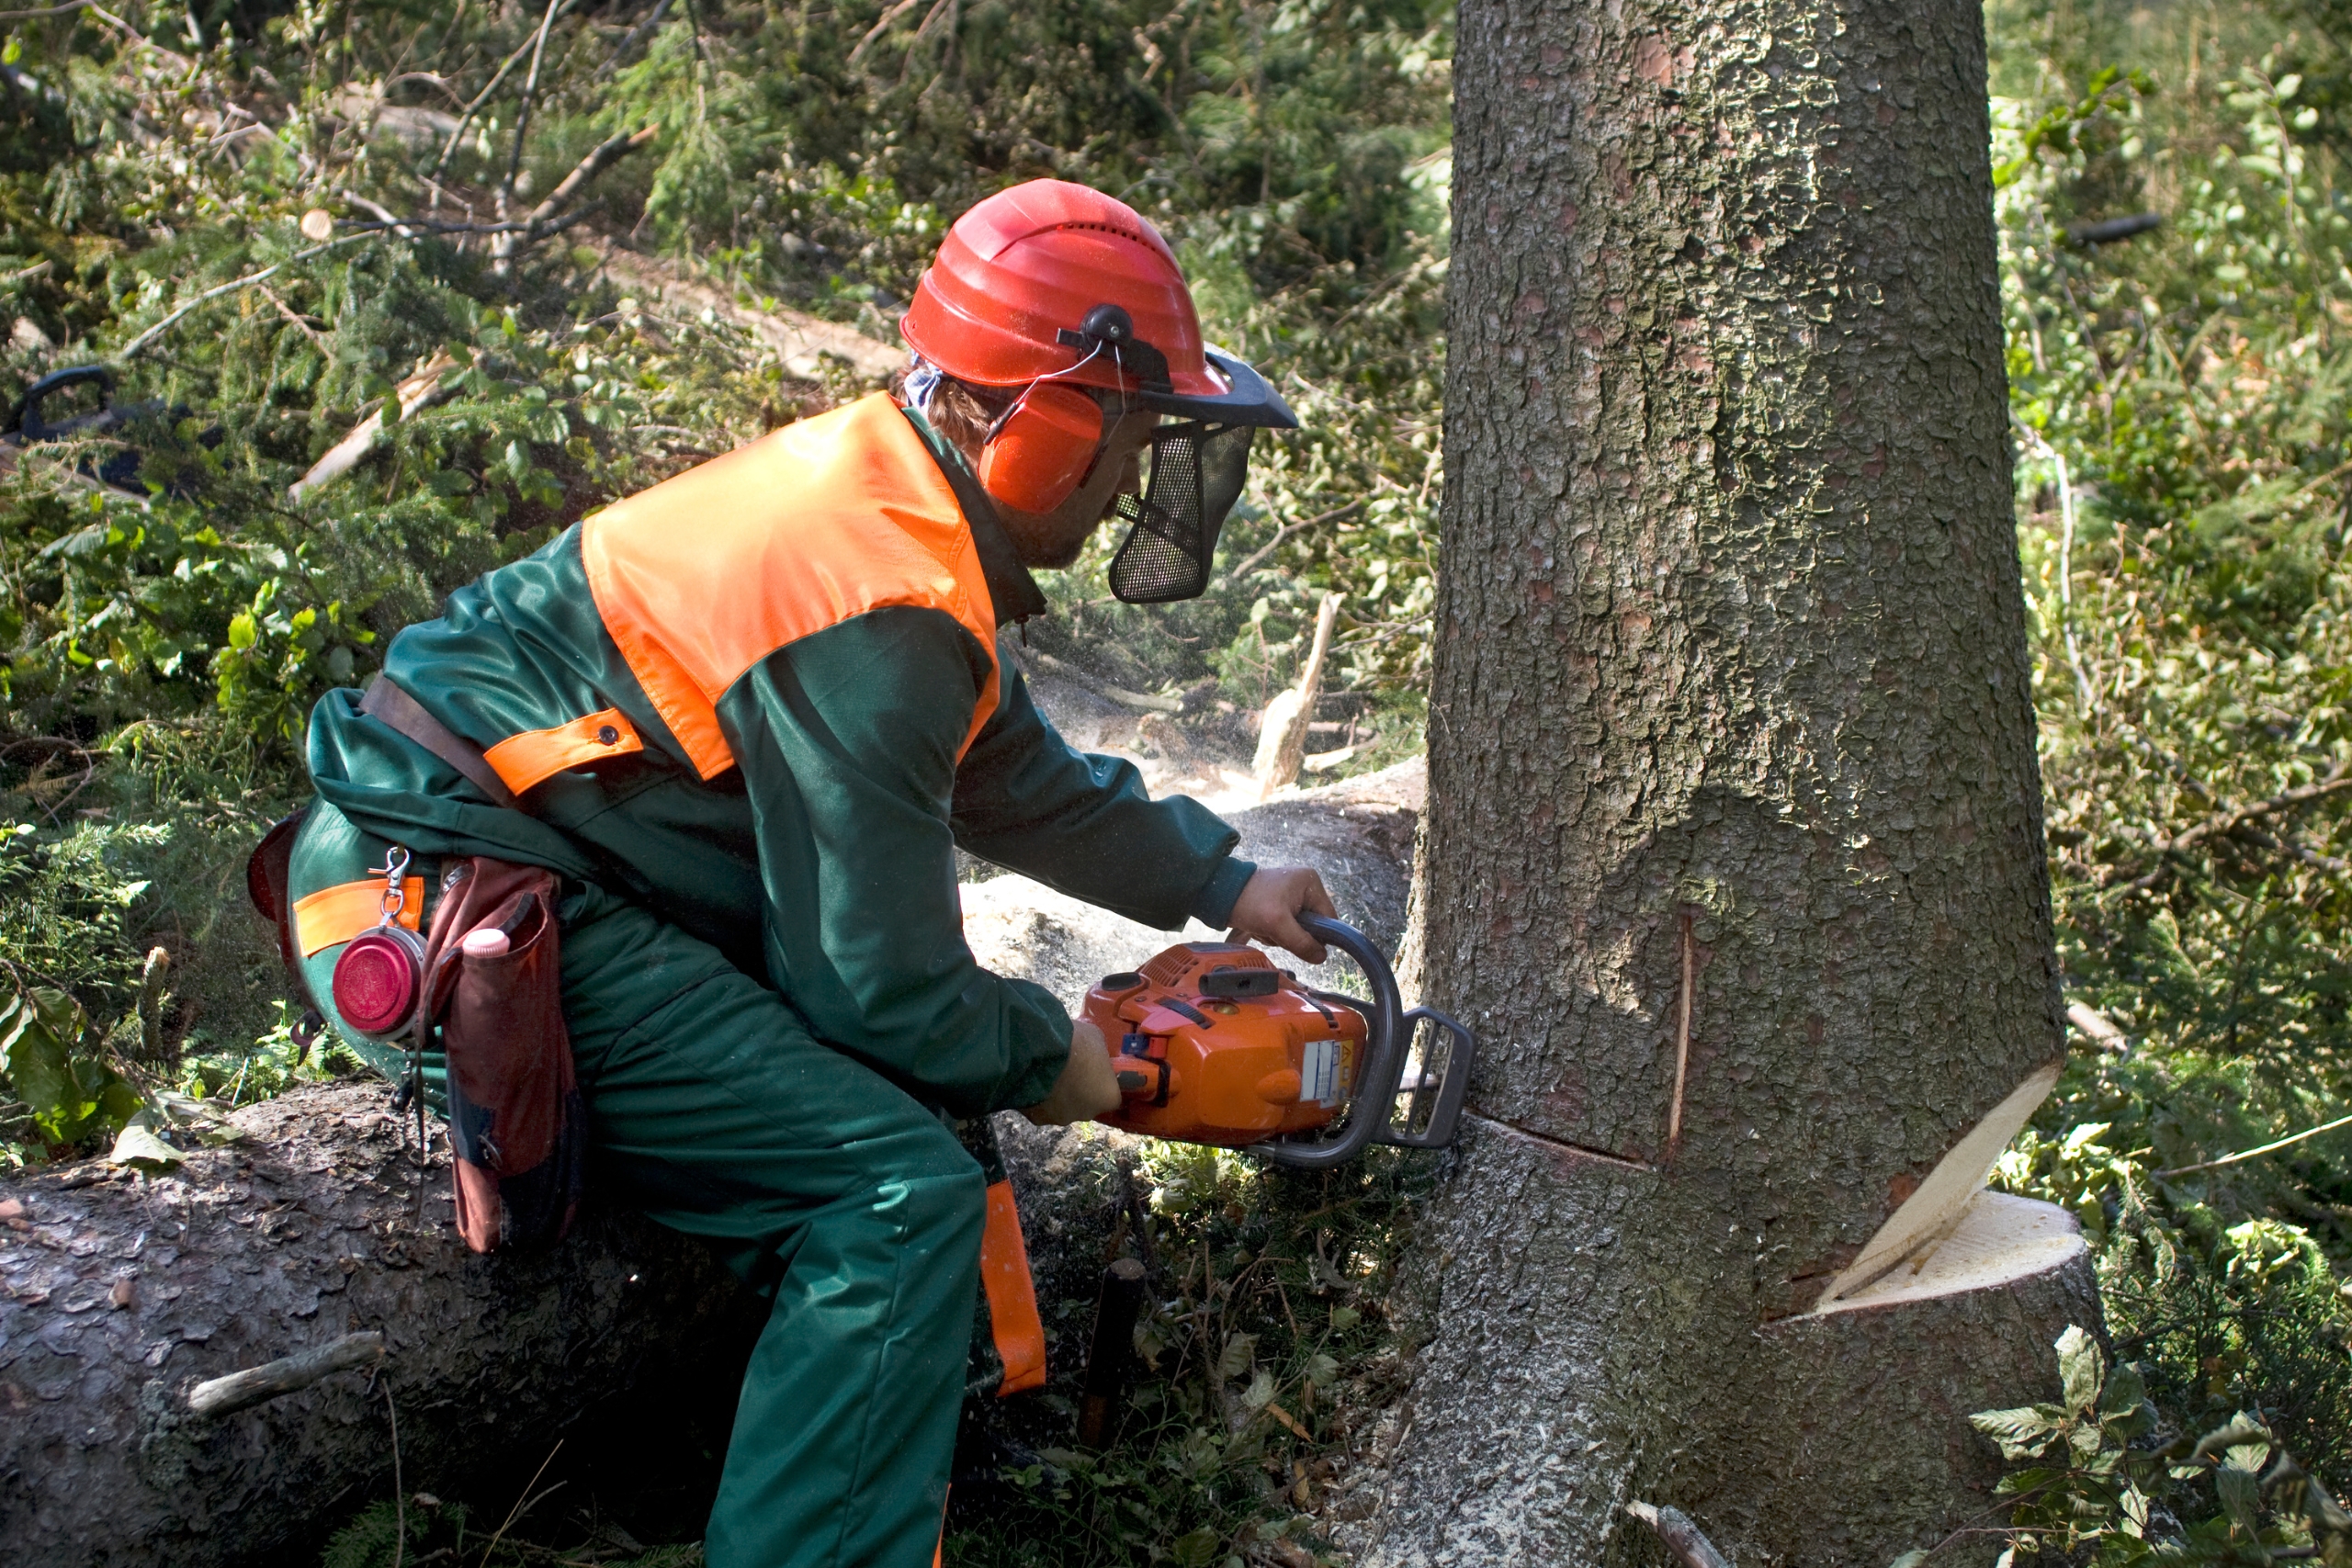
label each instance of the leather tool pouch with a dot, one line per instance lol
(518, 1125)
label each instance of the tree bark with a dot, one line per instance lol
(1735, 849)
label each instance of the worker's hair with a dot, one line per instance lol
(959, 411)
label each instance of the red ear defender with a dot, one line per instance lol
(1042, 448)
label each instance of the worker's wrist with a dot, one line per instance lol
(1213, 905)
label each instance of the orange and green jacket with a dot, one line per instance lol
(763, 699)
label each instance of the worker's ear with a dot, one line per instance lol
(1042, 448)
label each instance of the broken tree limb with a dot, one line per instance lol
(2338, 781)
(2252, 1154)
(238, 1391)
(541, 220)
(424, 388)
(1143, 700)
(2098, 1027)
(1685, 1539)
(131, 350)
(803, 342)
(1251, 562)
(1282, 732)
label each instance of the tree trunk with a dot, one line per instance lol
(1734, 848)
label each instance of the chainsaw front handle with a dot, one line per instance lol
(1384, 1064)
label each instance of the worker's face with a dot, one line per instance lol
(1054, 538)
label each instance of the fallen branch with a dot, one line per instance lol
(465, 118)
(239, 1391)
(1682, 1537)
(2098, 1027)
(603, 156)
(46, 11)
(2337, 782)
(1251, 561)
(541, 220)
(2265, 1149)
(131, 350)
(422, 389)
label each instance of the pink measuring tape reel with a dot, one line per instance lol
(381, 971)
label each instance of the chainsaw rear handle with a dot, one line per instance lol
(1383, 1062)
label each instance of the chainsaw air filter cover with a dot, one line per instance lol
(1213, 1044)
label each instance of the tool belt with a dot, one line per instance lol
(517, 1124)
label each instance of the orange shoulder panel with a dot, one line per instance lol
(704, 575)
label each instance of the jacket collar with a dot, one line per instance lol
(1013, 593)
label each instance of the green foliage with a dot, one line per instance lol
(2091, 1484)
(1264, 1350)
(57, 1071)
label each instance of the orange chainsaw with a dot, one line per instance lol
(1213, 1044)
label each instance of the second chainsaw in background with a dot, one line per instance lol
(1213, 1044)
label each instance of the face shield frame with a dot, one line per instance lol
(1200, 465)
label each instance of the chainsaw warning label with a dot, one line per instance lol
(1318, 1073)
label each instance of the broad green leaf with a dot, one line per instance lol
(1238, 1351)
(1911, 1559)
(2082, 1366)
(2022, 1433)
(1197, 1549)
(139, 1147)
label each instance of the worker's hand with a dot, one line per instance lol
(1269, 907)
(1087, 1089)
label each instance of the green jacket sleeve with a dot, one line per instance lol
(847, 740)
(1086, 825)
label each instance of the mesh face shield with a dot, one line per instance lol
(1196, 474)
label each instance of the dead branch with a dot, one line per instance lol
(2265, 1149)
(425, 386)
(523, 113)
(2336, 781)
(294, 320)
(603, 156)
(541, 220)
(131, 350)
(1250, 561)
(888, 16)
(1125, 698)
(2098, 1027)
(1682, 1537)
(239, 1391)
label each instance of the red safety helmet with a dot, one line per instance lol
(1051, 287)
(1018, 294)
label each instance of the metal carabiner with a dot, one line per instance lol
(394, 871)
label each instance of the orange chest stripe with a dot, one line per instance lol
(338, 914)
(703, 576)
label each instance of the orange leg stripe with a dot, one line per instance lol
(338, 914)
(522, 760)
(1012, 1298)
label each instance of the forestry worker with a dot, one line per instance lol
(747, 716)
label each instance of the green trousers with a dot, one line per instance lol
(841, 1200)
